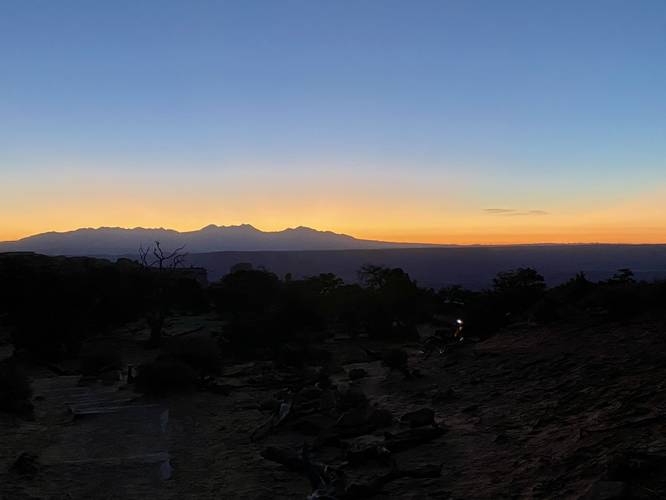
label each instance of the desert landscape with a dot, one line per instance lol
(557, 405)
(338, 250)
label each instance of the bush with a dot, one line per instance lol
(53, 303)
(393, 303)
(200, 353)
(547, 310)
(165, 375)
(621, 301)
(519, 289)
(99, 359)
(15, 390)
(485, 314)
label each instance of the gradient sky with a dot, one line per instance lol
(464, 121)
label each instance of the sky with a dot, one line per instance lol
(446, 121)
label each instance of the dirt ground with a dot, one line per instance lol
(569, 411)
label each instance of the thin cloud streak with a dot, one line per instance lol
(512, 212)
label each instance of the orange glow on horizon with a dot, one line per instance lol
(380, 215)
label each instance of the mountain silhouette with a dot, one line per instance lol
(121, 241)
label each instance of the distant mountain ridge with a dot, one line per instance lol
(122, 241)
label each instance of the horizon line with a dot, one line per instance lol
(421, 244)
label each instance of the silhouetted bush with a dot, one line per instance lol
(518, 289)
(245, 292)
(621, 301)
(100, 358)
(52, 304)
(345, 308)
(15, 390)
(622, 277)
(484, 314)
(201, 353)
(393, 304)
(187, 294)
(263, 313)
(165, 375)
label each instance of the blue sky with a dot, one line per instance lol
(554, 106)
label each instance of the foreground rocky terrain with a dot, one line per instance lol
(569, 411)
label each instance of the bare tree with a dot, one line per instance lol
(162, 260)
(155, 258)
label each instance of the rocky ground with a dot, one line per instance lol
(568, 411)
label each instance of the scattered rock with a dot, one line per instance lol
(423, 471)
(380, 417)
(27, 464)
(309, 394)
(608, 490)
(166, 470)
(354, 418)
(352, 397)
(327, 400)
(396, 359)
(311, 425)
(363, 451)
(289, 458)
(501, 438)
(269, 405)
(419, 418)
(442, 396)
(211, 385)
(357, 373)
(411, 438)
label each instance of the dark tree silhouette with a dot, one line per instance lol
(622, 277)
(171, 260)
(155, 258)
(522, 279)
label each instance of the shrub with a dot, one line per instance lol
(484, 315)
(53, 303)
(393, 304)
(165, 375)
(100, 358)
(518, 289)
(15, 390)
(200, 353)
(547, 310)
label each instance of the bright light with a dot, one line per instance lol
(459, 321)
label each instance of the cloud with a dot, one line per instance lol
(498, 210)
(512, 212)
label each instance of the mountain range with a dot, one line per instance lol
(218, 248)
(110, 241)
